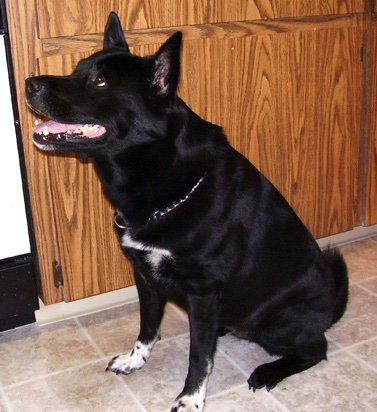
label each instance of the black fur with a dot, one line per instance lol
(239, 258)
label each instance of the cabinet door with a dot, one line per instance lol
(287, 93)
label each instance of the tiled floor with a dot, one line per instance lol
(61, 367)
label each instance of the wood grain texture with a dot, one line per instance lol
(71, 18)
(370, 155)
(91, 258)
(290, 103)
(218, 31)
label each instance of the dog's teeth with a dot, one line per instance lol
(36, 123)
(45, 131)
(77, 131)
(69, 132)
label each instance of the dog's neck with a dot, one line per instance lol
(122, 224)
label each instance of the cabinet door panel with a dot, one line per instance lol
(290, 103)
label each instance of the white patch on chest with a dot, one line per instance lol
(154, 255)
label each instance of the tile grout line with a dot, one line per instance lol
(362, 361)
(5, 399)
(224, 392)
(354, 345)
(236, 387)
(102, 357)
(173, 337)
(277, 402)
(133, 396)
(246, 374)
(366, 289)
(179, 312)
(348, 350)
(363, 280)
(230, 360)
(84, 331)
(49, 375)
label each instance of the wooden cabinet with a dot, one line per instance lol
(284, 79)
(368, 153)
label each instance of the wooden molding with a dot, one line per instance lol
(220, 31)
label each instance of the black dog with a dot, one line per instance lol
(202, 227)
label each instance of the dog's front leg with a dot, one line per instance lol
(151, 311)
(203, 314)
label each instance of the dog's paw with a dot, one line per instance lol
(262, 377)
(188, 403)
(132, 360)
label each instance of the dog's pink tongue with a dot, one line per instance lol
(54, 127)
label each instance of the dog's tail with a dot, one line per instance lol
(337, 269)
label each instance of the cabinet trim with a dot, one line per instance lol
(228, 30)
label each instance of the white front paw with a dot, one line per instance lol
(189, 403)
(131, 361)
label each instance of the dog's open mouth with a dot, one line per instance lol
(54, 132)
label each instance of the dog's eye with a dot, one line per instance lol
(99, 81)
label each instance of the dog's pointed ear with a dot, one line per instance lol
(114, 36)
(163, 72)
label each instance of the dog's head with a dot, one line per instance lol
(112, 98)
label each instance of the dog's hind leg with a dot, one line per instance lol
(151, 312)
(270, 374)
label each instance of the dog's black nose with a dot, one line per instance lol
(33, 85)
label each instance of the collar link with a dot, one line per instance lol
(122, 224)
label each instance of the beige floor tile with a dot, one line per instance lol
(245, 354)
(370, 284)
(162, 378)
(359, 321)
(115, 330)
(3, 408)
(368, 352)
(361, 259)
(224, 376)
(241, 399)
(85, 389)
(340, 385)
(32, 351)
